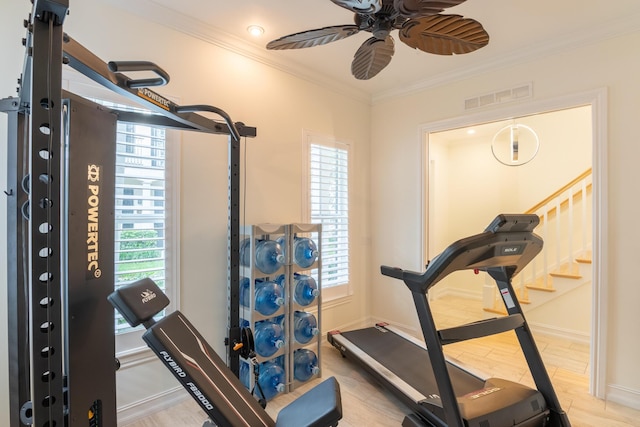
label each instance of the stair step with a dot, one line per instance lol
(541, 288)
(568, 270)
(495, 310)
(585, 257)
(540, 285)
(523, 297)
(521, 300)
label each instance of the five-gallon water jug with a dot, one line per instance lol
(306, 289)
(269, 297)
(245, 372)
(271, 380)
(268, 337)
(305, 364)
(245, 294)
(283, 244)
(281, 280)
(305, 251)
(244, 323)
(278, 320)
(269, 256)
(305, 326)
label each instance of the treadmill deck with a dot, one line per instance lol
(406, 369)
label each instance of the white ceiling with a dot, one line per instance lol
(518, 29)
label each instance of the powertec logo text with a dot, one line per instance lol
(93, 215)
(154, 98)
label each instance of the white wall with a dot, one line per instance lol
(279, 105)
(396, 148)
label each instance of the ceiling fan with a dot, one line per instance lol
(419, 22)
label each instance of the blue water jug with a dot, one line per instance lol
(269, 297)
(305, 326)
(269, 256)
(305, 364)
(278, 320)
(305, 251)
(306, 289)
(268, 338)
(245, 372)
(283, 244)
(245, 294)
(244, 323)
(281, 280)
(271, 380)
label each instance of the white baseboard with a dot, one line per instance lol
(624, 396)
(565, 334)
(142, 408)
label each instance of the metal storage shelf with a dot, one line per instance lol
(286, 235)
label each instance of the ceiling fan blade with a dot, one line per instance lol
(360, 6)
(418, 8)
(372, 57)
(444, 34)
(312, 38)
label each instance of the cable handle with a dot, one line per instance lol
(211, 109)
(123, 66)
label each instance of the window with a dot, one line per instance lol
(145, 215)
(328, 196)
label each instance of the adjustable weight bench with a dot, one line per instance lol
(204, 374)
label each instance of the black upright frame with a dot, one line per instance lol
(42, 183)
(40, 300)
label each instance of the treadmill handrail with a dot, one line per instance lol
(481, 328)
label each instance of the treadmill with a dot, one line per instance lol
(441, 392)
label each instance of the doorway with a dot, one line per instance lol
(466, 186)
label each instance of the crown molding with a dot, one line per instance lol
(170, 18)
(613, 29)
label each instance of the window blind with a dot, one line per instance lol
(329, 202)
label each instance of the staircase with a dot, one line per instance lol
(564, 265)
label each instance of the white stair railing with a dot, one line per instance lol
(557, 212)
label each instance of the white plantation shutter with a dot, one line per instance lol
(329, 205)
(144, 222)
(140, 216)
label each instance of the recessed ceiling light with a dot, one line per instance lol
(471, 131)
(255, 30)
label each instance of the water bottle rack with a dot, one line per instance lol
(250, 237)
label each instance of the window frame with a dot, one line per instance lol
(129, 344)
(344, 290)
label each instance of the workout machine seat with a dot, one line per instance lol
(205, 375)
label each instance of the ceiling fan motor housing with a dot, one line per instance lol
(381, 28)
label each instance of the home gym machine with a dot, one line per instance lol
(60, 198)
(439, 391)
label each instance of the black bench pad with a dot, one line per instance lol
(319, 407)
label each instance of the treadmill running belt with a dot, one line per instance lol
(408, 361)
